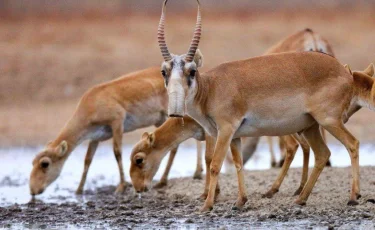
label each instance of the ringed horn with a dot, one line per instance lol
(194, 43)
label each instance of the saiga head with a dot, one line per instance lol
(365, 86)
(180, 71)
(47, 166)
(144, 162)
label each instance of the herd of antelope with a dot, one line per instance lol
(297, 90)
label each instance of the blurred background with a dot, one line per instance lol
(52, 51)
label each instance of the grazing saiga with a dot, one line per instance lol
(148, 153)
(107, 110)
(272, 95)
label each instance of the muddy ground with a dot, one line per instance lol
(177, 206)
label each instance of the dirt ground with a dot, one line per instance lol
(177, 206)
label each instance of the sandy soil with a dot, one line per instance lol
(177, 206)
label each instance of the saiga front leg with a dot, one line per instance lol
(210, 148)
(164, 179)
(224, 138)
(235, 148)
(93, 145)
(117, 130)
(199, 168)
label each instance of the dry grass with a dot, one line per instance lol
(47, 63)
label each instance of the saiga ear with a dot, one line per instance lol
(151, 139)
(369, 70)
(198, 58)
(145, 135)
(62, 149)
(347, 67)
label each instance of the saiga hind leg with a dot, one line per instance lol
(305, 168)
(339, 131)
(324, 136)
(321, 153)
(291, 146)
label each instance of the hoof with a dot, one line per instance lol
(269, 194)
(300, 202)
(273, 164)
(206, 209)
(298, 191)
(328, 164)
(281, 163)
(239, 203)
(79, 192)
(161, 184)
(353, 203)
(120, 189)
(359, 196)
(197, 176)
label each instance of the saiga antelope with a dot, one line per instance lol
(148, 153)
(108, 110)
(271, 95)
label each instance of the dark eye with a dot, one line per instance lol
(44, 165)
(139, 161)
(192, 73)
(163, 73)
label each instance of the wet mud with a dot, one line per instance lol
(177, 205)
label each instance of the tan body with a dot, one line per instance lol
(134, 101)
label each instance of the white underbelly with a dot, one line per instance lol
(253, 126)
(133, 122)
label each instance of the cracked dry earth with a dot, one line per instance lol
(177, 206)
